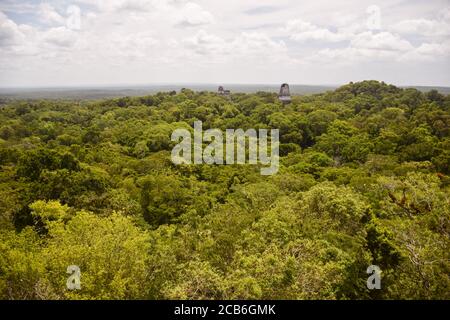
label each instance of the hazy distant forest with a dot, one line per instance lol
(363, 180)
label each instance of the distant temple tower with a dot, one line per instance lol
(223, 92)
(285, 95)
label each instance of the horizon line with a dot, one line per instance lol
(129, 85)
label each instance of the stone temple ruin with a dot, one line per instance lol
(223, 92)
(284, 95)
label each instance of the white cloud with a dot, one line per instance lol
(132, 5)
(122, 5)
(48, 14)
(382, 41)
(258, 44)
(300, 30)
(134, 46)
(428, 52)
(9, 31)
(199, 40)
(247, 46)
(191, 14)
(60, 36)
(367, 46)
(358, 45)
(351, 55)
(204, 43)
(425, 27)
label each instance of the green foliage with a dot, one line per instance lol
(363, 180)
(110, 251)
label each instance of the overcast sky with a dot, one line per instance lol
(95, 42)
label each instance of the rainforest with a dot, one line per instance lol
(363, 180)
